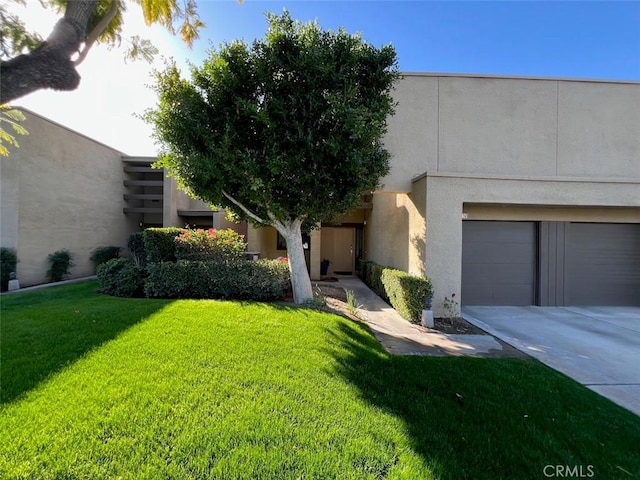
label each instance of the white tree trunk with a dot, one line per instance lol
(300, 281)
(291, 230)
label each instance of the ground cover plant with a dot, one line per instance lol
(103, 387)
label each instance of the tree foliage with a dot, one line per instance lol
(286, 131)
(12, 118)
(30, 63)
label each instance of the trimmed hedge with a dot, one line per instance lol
(260, 280)
(405, 292)
(8, 262)
(160, 244)
(121, 277)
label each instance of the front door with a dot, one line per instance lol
(338, 246)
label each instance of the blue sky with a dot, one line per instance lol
(576, 39)
(559, 39)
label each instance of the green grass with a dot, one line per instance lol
(98, 387)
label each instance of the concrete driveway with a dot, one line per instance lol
(596, 346)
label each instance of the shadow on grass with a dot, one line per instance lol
(44, 331)
(491, 418)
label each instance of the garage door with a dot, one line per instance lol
(498, 263)
(602, 264)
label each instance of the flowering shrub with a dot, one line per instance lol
(210, 245)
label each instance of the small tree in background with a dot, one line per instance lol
(60, 263)
(284, 132)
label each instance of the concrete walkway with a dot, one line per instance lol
(596, 346)
(400, 337)
(49, 285)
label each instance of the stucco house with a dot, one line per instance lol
(504, 191)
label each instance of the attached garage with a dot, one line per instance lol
(550, 263)
(499, 263)
(602, 264)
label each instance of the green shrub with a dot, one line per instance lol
(160, 244)
(135, 244)
(405, 292)
(121, 277)
(8, 262)
(372, 275)
(244, 280)
(60, 263)
(210, 245)
(103, 254)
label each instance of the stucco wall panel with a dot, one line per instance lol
(417, 226)
(412, 136)
(394, 235)
(599, 129)
(501, 126)
(387, 231)
(9, 205)
(512, 126)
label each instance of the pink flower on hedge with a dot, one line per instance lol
(284, 260)
(212, 232)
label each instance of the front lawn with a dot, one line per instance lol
(99, 387)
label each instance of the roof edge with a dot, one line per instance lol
(69, 129)
(517, 77)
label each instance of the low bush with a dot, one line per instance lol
(405, 292)
(371, 274)
(160, 244)
(210, 245)
(244, 280)
(8, 262)
(103, 254)
(60, 263)
(135, 244)
(121, 277)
